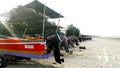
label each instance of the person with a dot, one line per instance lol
(53, 44)
(64, 43)
(70, 41)
(76, 41)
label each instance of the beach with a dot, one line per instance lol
(99, 53)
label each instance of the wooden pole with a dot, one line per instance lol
(24, 32)
(43, 31)
(58, 23)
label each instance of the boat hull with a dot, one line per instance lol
(24, 49)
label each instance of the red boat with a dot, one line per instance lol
(23, 48)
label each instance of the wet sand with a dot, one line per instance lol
(99, 53)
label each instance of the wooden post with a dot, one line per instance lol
(43, 31)
(58, 23)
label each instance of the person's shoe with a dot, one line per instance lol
(67, 51)
(62, 60)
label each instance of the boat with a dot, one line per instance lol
(12, 49)
(23, 48)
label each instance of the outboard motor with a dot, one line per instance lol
(53, 44)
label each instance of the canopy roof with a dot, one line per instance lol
(39, 7)
(48, 27)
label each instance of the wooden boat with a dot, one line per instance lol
(23, 48)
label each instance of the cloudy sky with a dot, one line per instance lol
(94, 17)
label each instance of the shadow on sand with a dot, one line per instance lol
(28, 64)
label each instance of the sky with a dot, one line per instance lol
(92, 17)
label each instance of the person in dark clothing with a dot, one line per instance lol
(64, 43)
(76, 41)
(70, 41)
(53, 44)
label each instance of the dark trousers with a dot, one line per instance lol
(65, 46)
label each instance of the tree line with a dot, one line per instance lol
(22, 18)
